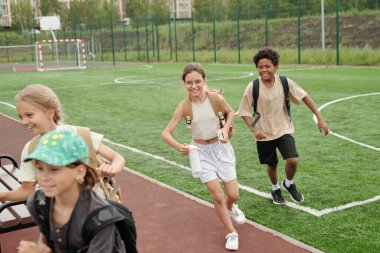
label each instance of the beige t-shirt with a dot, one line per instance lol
(274, 120)
(28, 170)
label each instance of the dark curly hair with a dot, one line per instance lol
(269, 54)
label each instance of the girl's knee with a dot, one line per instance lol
(233, 196)
(217, 197)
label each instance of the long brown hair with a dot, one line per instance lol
(193, 67)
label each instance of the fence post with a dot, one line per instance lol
(214, 32)
(138, 39)
(157, 40)
(146, 38)
(6, 43)
(125, 42)
(337, 31)
(299, 31)
(238, 30)
(266, 23)
(112, 40)
(101, 39)
(193, 36)
(170, 38)
(153, 42)
(175, 37)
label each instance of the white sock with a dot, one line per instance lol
(288, 182)
(275, 187)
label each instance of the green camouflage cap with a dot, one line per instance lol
(60, 148)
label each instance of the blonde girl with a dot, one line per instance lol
(40, 111)
(217, 157)
(61, 160)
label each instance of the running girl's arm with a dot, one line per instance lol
(167, 134)
(117, 161)
(21, 193)
(321, 122)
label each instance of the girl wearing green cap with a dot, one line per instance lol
(61, 159)
(40, 111)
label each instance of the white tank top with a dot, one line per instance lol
(205, 123)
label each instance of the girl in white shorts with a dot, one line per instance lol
(217, 157)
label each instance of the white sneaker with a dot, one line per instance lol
(237, 215)
(232, 242)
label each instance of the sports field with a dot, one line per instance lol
(338, 174)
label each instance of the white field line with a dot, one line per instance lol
(306, 209)
(7, 104)
(339, 135)
(246, 188)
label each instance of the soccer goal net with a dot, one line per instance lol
(17, 58)
(60, 54)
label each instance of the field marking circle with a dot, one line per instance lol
(342, 136)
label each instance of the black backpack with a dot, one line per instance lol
(255, 91)
(112, 213)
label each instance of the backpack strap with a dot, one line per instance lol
(42, 206)
(285, 86)
(98, 219)
(217, 106)
(84, 132)
(255, 94)
(187, 112)
(33, 143)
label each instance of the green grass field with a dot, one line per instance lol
(132, 104)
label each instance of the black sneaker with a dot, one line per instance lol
(292, 189)
(277, 197)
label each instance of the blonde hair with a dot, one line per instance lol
(43, 97)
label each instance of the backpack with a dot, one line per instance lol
(187, 112)
(107, 187)
(112, 212)
(255, 91)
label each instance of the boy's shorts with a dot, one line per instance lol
(217, 161)
(267, 149)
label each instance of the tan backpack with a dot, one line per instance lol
(107, 187)
(213, 95)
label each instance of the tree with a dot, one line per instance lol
(111, 10)
(22, 15)
(136, 9)
(50, 7)
(85, 11)
(160, 10)
(205, 10)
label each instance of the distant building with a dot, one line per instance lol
(180, 9)
(6, 15)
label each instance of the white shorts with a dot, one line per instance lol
(217, 161)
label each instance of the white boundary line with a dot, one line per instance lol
(203, 202)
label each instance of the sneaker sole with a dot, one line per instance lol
(233, 248)
(277, 203)
(292, 196)
(238, 223)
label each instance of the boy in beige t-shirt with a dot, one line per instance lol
(274, 128)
